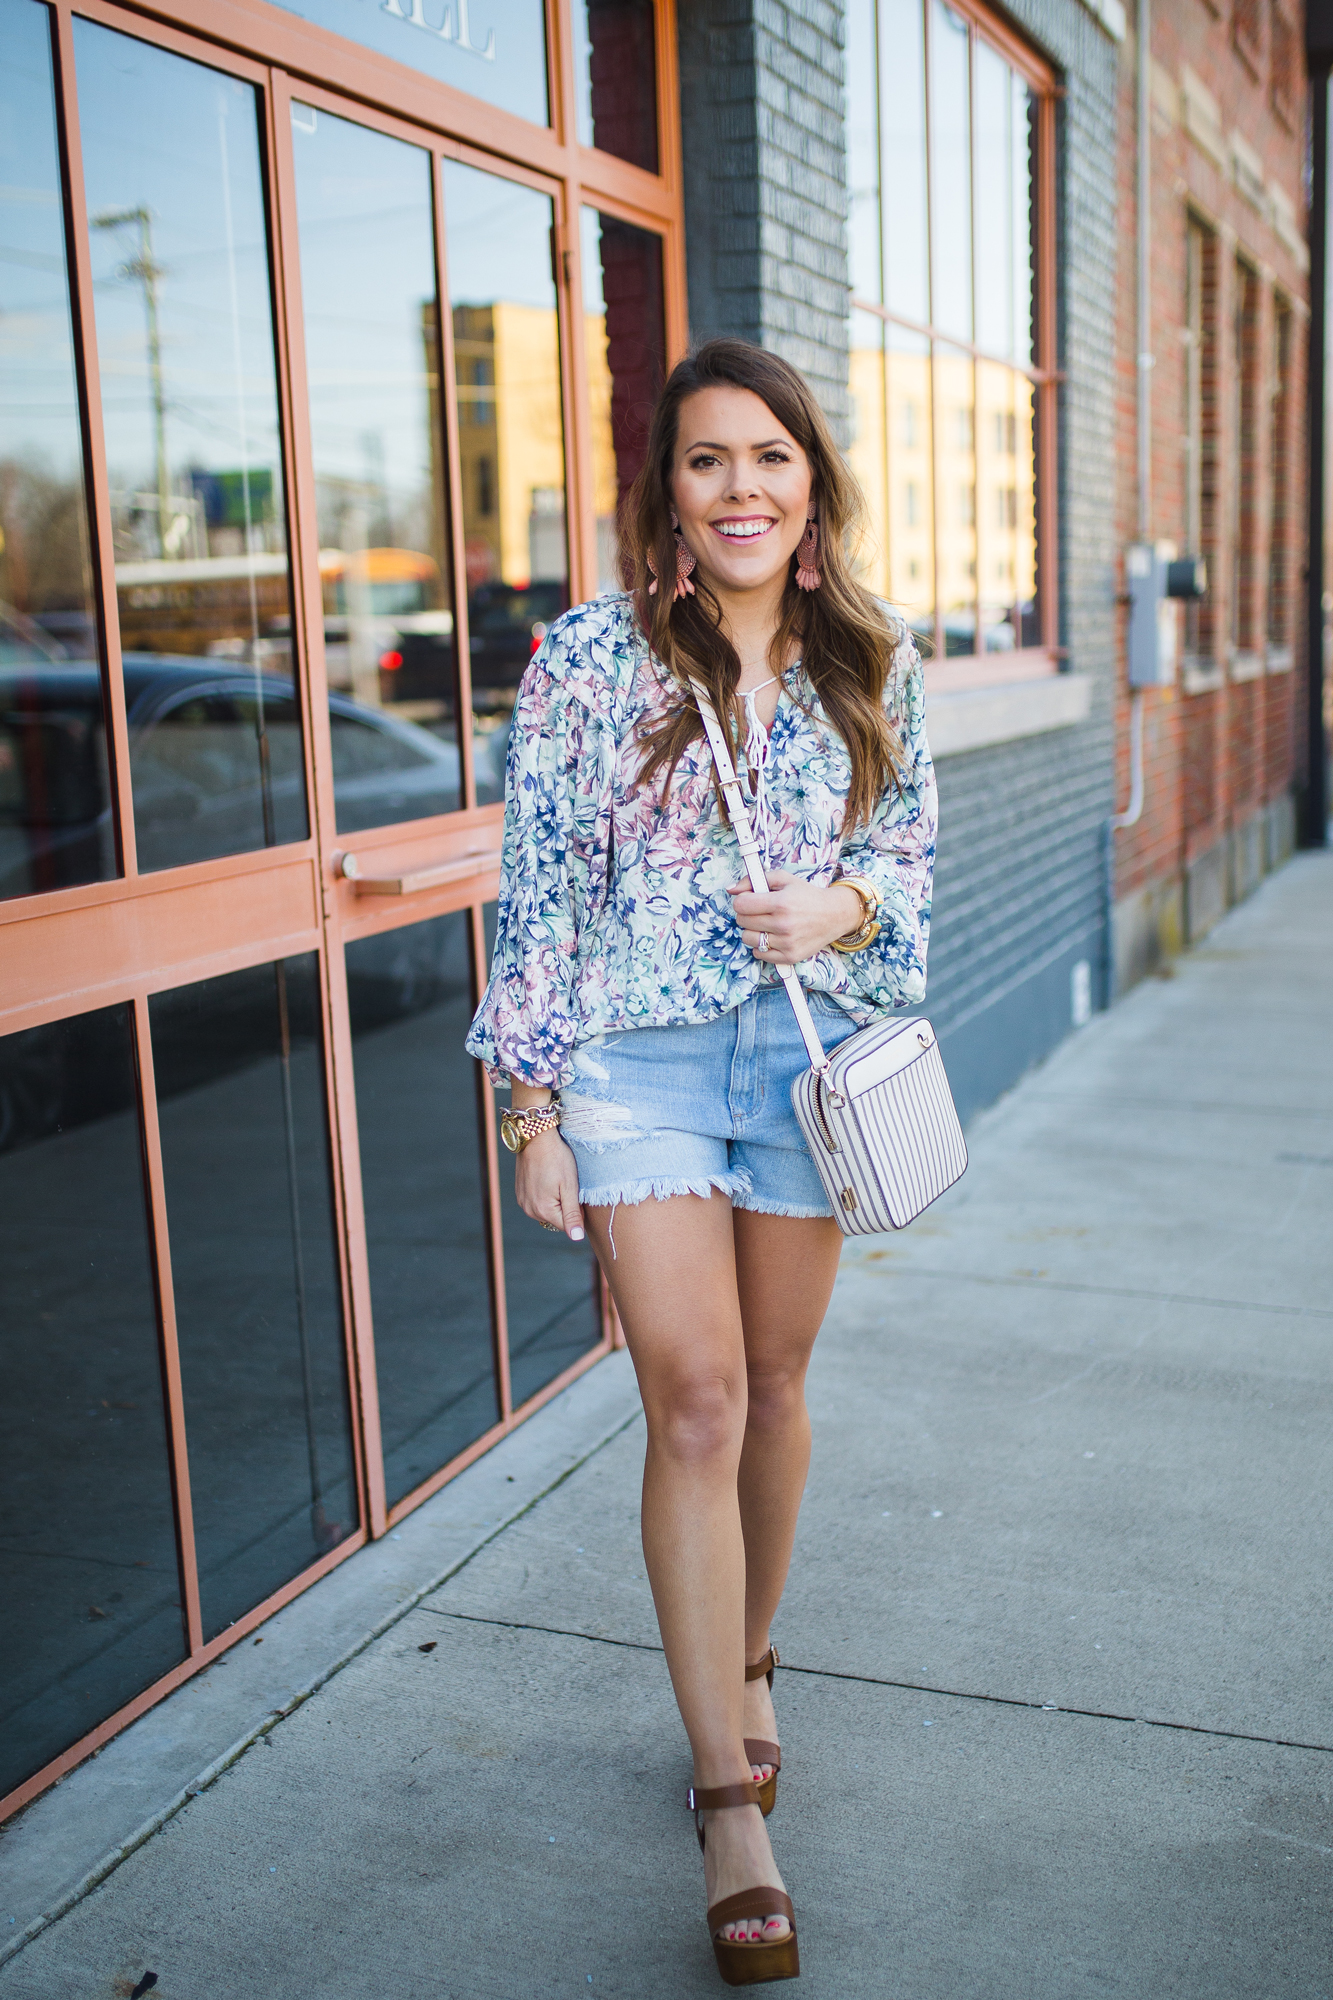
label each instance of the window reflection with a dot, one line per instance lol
(625, 342)
(245, 1158)
(956, 498)
(902, 171)
(88, 1546)
(1004, 109)
(180, 258)
(502, 297)
(197, 789)
(55, 816)
(492, 49)
(423, 1179)
(1006, 510)
(950, 174)
(944, 439)
(615, 78)
(377, 438)
(891, 454)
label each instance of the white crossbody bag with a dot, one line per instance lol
(876, 1114)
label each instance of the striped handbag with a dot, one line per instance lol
(876, 1114)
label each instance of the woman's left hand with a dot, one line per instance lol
(795, 919)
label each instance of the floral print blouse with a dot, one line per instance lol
(614, 910)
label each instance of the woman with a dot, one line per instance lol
(649, 1044)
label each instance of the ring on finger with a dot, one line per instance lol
(763, 940)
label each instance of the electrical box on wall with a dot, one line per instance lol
(1156, 579)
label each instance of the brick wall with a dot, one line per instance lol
(762, 129)
(1227, 115)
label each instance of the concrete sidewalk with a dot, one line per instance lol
(1059, 1721)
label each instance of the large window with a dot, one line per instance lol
(952, 370)
(1247, 571)
(1202, 459)
(1281, 566)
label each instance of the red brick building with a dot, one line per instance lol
(1223, 366)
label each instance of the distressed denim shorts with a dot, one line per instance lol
(684, 1110)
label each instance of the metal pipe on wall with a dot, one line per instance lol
(1143, 180)
(1313, 826)
(1144, 361)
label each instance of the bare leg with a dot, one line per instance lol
(785, 1269)
(674, 1281)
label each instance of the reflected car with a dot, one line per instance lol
(506, 624)
(215, 761)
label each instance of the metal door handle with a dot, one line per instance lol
(414, 880)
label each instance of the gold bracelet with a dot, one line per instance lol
(868, 929)
(519, 1128)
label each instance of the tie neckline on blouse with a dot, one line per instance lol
(757, 751)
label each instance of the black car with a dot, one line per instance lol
(505, 627)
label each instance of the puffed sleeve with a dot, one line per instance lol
(552, 870)
(896, 851)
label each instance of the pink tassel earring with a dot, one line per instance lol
(809, 576)
(684, 565)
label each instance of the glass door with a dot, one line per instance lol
(313, 419)
(439, 476)
(180, 1453)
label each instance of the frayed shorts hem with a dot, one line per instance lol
(754, 1204)
(629, 1194)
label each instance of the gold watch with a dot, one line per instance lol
(868, 929)
(519, 1128)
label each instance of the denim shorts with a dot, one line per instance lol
(684, 1110)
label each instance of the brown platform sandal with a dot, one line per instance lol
(743, 1962)
(756, 1749)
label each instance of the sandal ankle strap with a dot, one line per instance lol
(764, 1667)
(718, 1796)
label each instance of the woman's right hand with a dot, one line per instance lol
(546, 1180)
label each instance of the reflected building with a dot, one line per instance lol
(511, 445)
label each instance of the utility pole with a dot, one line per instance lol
(147, 271)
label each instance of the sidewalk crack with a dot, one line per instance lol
(908, 1687)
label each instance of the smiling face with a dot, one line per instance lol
(741, 486)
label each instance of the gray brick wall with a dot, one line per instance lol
(1020, 887)
(766, 180)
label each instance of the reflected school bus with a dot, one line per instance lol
(238, 607)
(222, 607)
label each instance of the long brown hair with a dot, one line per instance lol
(846, 637)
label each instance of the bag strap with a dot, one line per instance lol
(752, 856)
